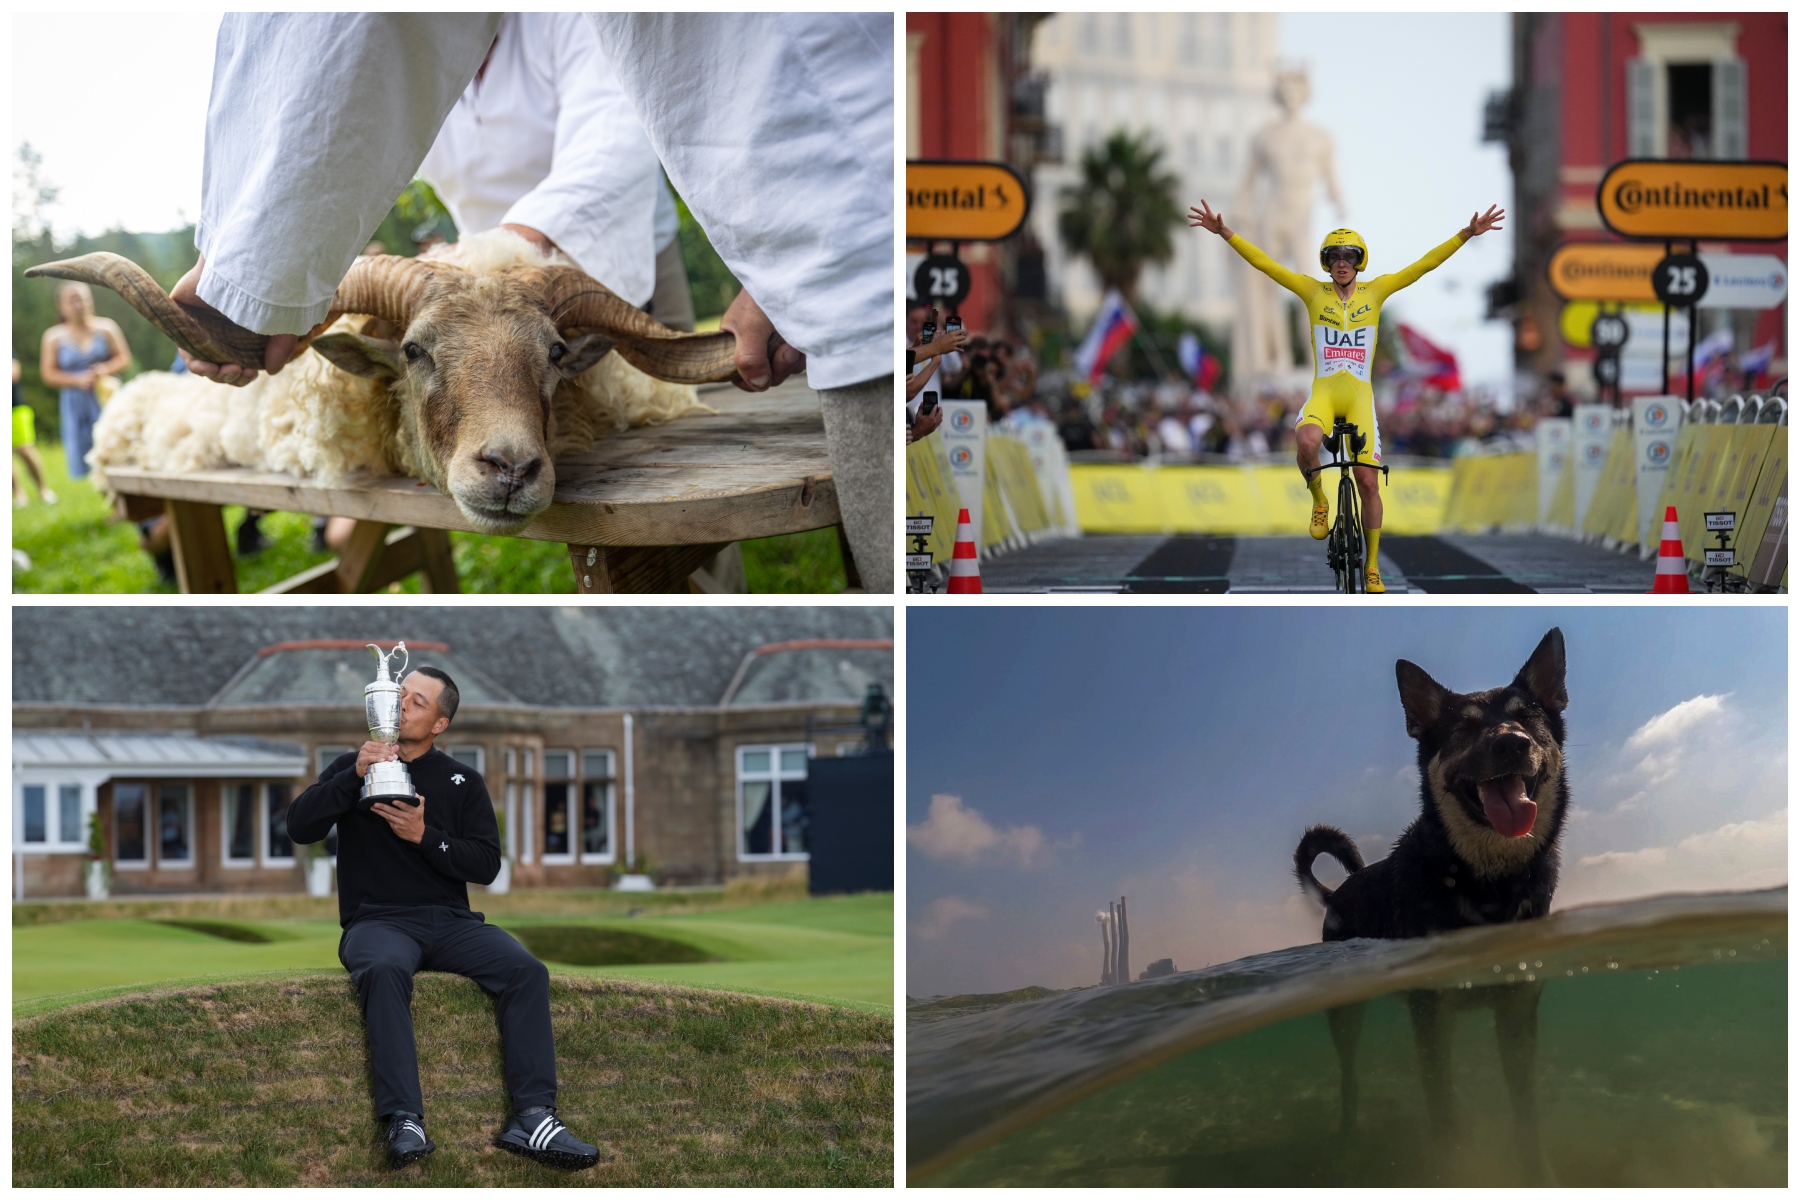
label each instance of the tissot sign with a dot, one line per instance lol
(1694, 198)
(963, 201)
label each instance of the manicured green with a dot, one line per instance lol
(76, 546)
(264, 1083)
(835, 949)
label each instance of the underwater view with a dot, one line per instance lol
(1660, 1059)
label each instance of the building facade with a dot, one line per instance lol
(1592, 89)
(1201, 84)
(673, 743)
(971, 96)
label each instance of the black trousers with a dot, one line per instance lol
(383, 949)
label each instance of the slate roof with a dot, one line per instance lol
(553, 657)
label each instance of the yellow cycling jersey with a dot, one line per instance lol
(1343, 332)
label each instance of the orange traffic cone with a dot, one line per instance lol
(1671, 565)
(965, 567)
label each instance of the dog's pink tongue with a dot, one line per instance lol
(1508, 811)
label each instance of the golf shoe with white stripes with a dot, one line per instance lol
(406, 1140)
(537, 1134)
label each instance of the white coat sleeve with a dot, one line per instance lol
(778, 131)
(599, 200)
(316, 123)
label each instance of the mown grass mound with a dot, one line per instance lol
(592, 946)
(265, 1083)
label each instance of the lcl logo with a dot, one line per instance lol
(962, 456)
(1656, 414)
(1657, 453)
(962, 420)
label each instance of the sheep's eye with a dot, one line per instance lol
(413, 350)
(558, 352)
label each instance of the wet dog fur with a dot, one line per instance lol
(1486, 759)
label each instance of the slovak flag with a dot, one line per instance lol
(1201, 367)
(1422, 358)
(1113, 327)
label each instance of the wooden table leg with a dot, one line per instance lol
(605, 570)
(202, 556)
(361, 558)
(438, 565)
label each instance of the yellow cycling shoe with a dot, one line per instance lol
(1321, 521)
(1372, 583)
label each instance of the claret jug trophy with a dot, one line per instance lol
(386, 782)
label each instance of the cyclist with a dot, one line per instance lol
(1344, 316)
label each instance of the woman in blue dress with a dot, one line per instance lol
(75, 355)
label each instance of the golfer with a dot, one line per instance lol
(403, 899)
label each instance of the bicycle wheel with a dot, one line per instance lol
(1350, 539)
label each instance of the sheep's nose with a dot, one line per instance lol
(511, 463)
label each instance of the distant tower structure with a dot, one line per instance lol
(1104, 920)
(1123, 962)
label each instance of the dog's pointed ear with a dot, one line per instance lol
(1421, 696)
(1542, 674)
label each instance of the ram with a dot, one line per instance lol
(474, 369)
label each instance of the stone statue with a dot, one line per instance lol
(1289, 158)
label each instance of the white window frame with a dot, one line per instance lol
(571, 807)
(135, 864)
(53, 781)
(1663, 44)
(65, 844)
(256, 821)
(776, 776)
(479, 762)
(511, 803)
(263, 823)
(612, 807)
(528, 821)
(48, 789)
(193, 835)
(321, 760)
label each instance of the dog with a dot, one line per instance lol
(1494, 796)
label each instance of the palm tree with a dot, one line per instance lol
(1120, 214)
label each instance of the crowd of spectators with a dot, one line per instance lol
(1173, 420)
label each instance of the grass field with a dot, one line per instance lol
(148, 1053)
(74, 548)
(264, 1083)
(836, 949)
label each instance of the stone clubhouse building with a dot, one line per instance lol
(671, 741)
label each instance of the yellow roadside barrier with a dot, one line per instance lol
(930, 492)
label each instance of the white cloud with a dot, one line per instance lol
(953, 832)
(1737, 856)
(944, 912)
(1677, 723)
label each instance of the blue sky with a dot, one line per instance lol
(1176, 754)
(1410, 160)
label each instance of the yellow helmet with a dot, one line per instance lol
(1344, 237)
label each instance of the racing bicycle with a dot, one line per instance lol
(1344, 545)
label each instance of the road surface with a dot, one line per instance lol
(1451, 562)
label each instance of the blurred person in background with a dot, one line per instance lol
(24, 443)
(75, 356)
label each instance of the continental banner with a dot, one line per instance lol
(1660, 199)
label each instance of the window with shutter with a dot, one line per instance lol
(1731, 133)
(1640, 103)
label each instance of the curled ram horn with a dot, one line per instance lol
(203, 334)
(578, 301)
(388, 287)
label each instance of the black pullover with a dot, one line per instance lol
(461, 843)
